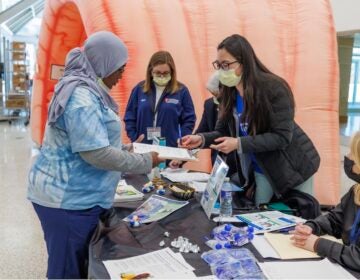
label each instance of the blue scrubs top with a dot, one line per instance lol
(60, 178)
(243, 129)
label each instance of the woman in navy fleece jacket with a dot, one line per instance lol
(160, 106)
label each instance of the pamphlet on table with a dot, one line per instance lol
(267, 221)
(156, 208)
(126, 193)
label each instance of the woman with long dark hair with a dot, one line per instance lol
(256, 121)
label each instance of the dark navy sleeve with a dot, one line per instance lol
(130, 117)
(188, 117)
(203, 126)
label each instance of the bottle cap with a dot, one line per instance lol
(228, 227)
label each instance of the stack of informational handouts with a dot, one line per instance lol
(163, 264)
(156, 208)
(125, 192)
(265, 221)
(187, 177)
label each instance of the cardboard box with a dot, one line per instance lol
(18, 56)
(19, 86)
(18, 79)
(18, 46)
(13, 95)
(16, 103)
(19, 68)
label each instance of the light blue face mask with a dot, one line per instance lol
(229, 77)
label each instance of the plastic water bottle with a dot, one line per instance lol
(226, 199)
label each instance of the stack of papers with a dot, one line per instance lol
(165, 152)
(187, 177)
(323, 269)
(163, 264)
(125, 192)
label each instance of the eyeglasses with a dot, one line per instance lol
(224, 65)
(161, 74)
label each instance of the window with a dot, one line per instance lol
(354, 86)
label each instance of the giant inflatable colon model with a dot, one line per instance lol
(296, 39)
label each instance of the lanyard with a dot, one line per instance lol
(155, 107)
(239, 110)
(355, 229)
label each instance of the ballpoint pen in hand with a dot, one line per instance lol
(180, 140)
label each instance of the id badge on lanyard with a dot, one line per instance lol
(155, 131)
(152, 132)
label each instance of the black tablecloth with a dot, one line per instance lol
(115, 239)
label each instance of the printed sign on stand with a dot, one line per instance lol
(213, 186)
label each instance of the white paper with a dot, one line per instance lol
(198, 186)
(164, 151)
(322, 269)
(174, 170)
(158, 264)
(264, 248)
(188, 177)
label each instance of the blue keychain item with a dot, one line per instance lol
(236, 236)
(145, 189)
(160, 191)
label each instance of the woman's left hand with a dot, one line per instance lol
(308, 244)
(302, 237)
(226, 144)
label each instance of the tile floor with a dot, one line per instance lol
(23, 252)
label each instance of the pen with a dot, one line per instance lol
(284, 230)
(180, 140)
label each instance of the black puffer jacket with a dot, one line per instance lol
(338, 222)
(285, 153)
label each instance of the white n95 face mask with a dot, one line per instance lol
(229, 78)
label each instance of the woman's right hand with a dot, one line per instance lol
(191, 141)
(300, 234)
(174, 164)
(155, 159)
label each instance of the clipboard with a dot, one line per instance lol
(165, 152)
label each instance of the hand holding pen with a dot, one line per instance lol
(180, 137)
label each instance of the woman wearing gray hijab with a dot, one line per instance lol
(73, 180)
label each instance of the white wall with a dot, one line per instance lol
(346, 15)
